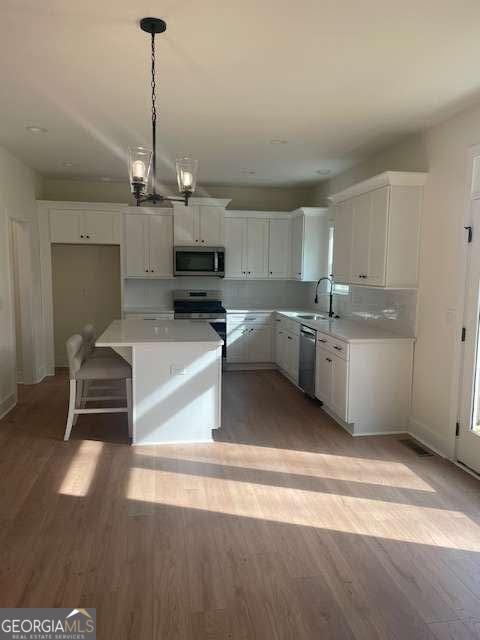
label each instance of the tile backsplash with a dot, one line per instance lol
(239, 294)
(391, 309)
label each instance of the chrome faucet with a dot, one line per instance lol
(332, 284)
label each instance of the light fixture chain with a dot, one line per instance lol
(154, 122)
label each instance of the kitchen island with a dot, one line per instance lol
(176, 377)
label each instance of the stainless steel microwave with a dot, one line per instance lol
(199, 261)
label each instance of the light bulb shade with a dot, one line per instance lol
(186, 174)
(139, 163)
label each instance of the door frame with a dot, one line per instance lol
(457, 394)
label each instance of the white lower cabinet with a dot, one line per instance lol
(365, 385)
(249, 339)
(287, 347)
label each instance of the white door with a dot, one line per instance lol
(211, 226)
(260, 344)
(160, 239)
(377, 239)
(185, 225)
(234, 240)
(468, 442)
(256, 252)
(323, 375)
(100, 228)
(66, 227)
(236, 343)
(360, 237)
(339, 386)
(342, 241)
(136, 253)
(297, 247)
(279, 249)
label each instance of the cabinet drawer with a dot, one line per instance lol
(250, 318)
(339, 347)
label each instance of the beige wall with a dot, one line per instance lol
(19, 188)
(261, 198)
(442, 151)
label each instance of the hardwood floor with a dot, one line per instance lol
(285, 528)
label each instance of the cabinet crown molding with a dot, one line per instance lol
(210, 202)
(309, 211)
(392, 178)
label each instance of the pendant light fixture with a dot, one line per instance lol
(143, 161)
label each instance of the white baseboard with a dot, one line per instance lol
(7, 405)
(19, 376)
(429, 438)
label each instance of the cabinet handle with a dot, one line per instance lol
(328, 359)
(249, 272)
(203, 240)
(271, 273)
(338, 348)
(244, 272)
(81, 235)
(88, 237)
(321, 340)
(289, 337)
(151, 271)
(146, 270)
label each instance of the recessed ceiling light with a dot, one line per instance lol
(278, 141)
(105, 179)
(68, 163)
(247, 172)
(35, 129)
(323, 172)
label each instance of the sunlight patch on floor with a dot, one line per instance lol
(362, 516)
(326, 466)
(80, 473)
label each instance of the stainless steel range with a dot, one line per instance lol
(202, 306)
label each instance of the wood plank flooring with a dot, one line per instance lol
(285, 528)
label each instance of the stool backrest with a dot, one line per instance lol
(75, 354)
(89, 335)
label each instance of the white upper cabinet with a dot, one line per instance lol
(379, 220)
(234, 241)
(309, 243)
(148, 251)
(256, 249)
(70, 226)
(279, 247)
(246, 248)
(201, 223)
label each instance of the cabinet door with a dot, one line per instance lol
(361, 237)
(66, 227)
(338, 398)
(235, 229)
(185, 225)
(279, 249)
(211, 226)
(260, 344)
(342, 241)
(297, 247)
(257, 248)
(293, 353)
(160, 243)
(377, 239)
(237, 346)
(136, 252)
(101, 228)
(323, 375)
(279, 347)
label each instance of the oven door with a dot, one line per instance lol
(199, 261)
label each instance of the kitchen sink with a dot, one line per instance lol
(313, 317)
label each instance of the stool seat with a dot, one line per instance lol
(102, 352)
(104, 369)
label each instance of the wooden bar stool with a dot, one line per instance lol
(83, 371)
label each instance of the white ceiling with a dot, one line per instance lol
(336, 78)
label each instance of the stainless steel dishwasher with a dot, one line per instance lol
(306, 372)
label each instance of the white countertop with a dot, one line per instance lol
(348, 330)
(132, 332)
(148, 310)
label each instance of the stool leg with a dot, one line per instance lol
(71, 408)
(79, 402)
(128, 386)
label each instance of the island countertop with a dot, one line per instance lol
(131, 332)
